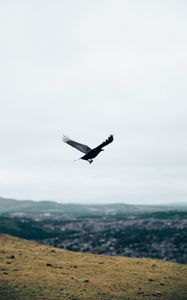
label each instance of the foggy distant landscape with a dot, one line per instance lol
(112, 229)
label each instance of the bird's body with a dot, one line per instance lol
(89, 153)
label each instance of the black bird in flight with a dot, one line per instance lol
(89, 153)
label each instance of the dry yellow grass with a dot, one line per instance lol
(33, 271)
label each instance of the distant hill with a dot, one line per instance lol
(32, 271)
(11, 205)
(37, 207)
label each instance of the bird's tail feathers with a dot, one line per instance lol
(76, 159)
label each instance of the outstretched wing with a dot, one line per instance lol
(108, 141)
(80, 147)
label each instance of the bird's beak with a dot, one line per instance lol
(102, 149)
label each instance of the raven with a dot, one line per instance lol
(89, 153)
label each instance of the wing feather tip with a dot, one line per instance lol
(65, 139)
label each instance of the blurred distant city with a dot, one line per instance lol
(112, 229)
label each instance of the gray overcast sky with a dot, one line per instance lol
(89, 69)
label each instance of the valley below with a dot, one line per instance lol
(117, 229)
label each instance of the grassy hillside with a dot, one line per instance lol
(33, 271)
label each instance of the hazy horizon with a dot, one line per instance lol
(96, 202)
(88, 70)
